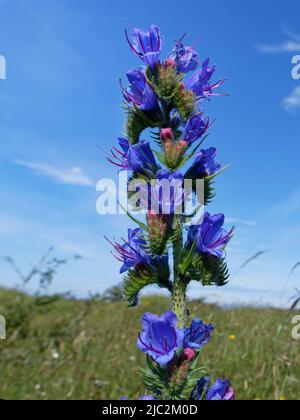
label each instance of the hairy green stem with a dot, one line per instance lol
(179, 288)
(178, 302)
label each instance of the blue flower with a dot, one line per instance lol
(200, 84)
(197, 335)
(140, 92)
(138, 158)
(132, 253)
(168, 191)
(148, 397)
(204, 164)
(146, 44)
(221, 391)
(185, 58)
(195, 128)
(200, 390)
(160, 337)
(164, 195)
(210, 237)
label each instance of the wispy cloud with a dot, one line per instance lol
(288, 47)
(292, 45)
(71, 176)
(244, 222)
(292, 102)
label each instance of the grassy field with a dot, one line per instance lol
(67, 349)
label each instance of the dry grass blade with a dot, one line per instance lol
(249, 261)
(295, 300)
(295, 267)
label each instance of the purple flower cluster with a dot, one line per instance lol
(210, 236)
(195, 128)
(164, 97)
(197, 335)
(133, 252)
(139, 92)
(204, 164)
(221, 390)
(169, 346)
(146, 44)
(138, 158)
(200, 82)
(161, 338)
(164, 195)
(185, 58)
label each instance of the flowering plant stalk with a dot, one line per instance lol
(165, 99)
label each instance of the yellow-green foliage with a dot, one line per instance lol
(70, 349)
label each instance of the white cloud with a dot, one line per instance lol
(72, 176)
(292, 102)
(288, 46)
(292, 45)
(241, 221)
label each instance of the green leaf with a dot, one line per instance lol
(166, 82)
(209, 270)
(209, 191)
(155, 378)
(137, 122)
(135, 281)
(143, 117)
(217, 173)
(185, 101)
(187, 258)
(158, 243)
(186, 387)
(192, 153)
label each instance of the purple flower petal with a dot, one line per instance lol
(160, 337)
(211, 237)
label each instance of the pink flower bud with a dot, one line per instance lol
(188, 354)
(182, 143)
(182, 86)
(151, 213)
(170, 63)
(166, 135)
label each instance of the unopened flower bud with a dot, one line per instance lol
(166, 135)
(182, 87)
(170, 63)
(182, 143)
(151, 213)
(188, 354)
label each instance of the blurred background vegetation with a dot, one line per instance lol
(59, 347)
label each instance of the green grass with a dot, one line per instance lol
(98, 358)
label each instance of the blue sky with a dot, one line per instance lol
(61, 99)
